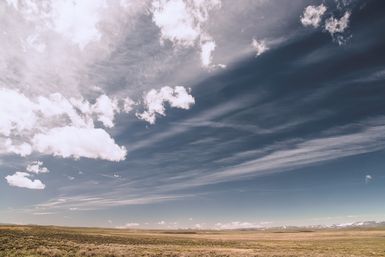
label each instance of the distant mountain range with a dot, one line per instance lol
(310, 228)
(357, 224)
(366, 224)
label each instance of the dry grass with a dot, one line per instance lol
(16, 241)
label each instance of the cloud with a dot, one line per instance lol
(76, 142)
(259, 46)
(22, 149)
(104, 200)
(129, 225)
(162, 222)
(207, 49)
(56, 106)
(312, 15)
(28, 120)
(21, 179)
(182, 23)
(368, 179)
(302, 154)
(338, 26)
(237, 225)
(128, 104)
(36, 167)
(154, 101)
(16, 112)
(78, 20)
(105, 109)
(75, 21)
(176, 22)
(334, 25)
(43, 213)
(20, 115)
(31, 124)
(39, 30)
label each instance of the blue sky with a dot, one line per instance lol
(192, 114)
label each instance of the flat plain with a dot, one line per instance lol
(16, 241)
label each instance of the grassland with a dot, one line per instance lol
(16, 241)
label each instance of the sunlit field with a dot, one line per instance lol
(60, 241)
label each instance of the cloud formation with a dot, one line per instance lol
(77, 142)
(76, 21)
(259, 46)
(129, 225)
(16, 112)
(237, 225)
(337, 27)
(334, 25)
(207, 49)
(21, 179)
(105, 108)
(312, 15)
(182, 23)
(155, 101)
(66, 127)
(37, 167)
(36, 123)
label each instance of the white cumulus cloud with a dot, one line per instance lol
(155, 101)
(312, 15)
(76, 21)
(36, 167)
(79, 142)
(65, 127)
(22, 149)
(21, 179)
(176, 22)
(334, 25)
(16, 112)
(182, 23)
(128, 104)
(105, 109)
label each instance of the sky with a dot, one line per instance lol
(203, 114)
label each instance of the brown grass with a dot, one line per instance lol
(32, 241)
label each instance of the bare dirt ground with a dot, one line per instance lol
(32, 241)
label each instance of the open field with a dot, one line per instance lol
(60, 241)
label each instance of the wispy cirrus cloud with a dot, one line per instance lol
(102, 201)
(302, 154)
